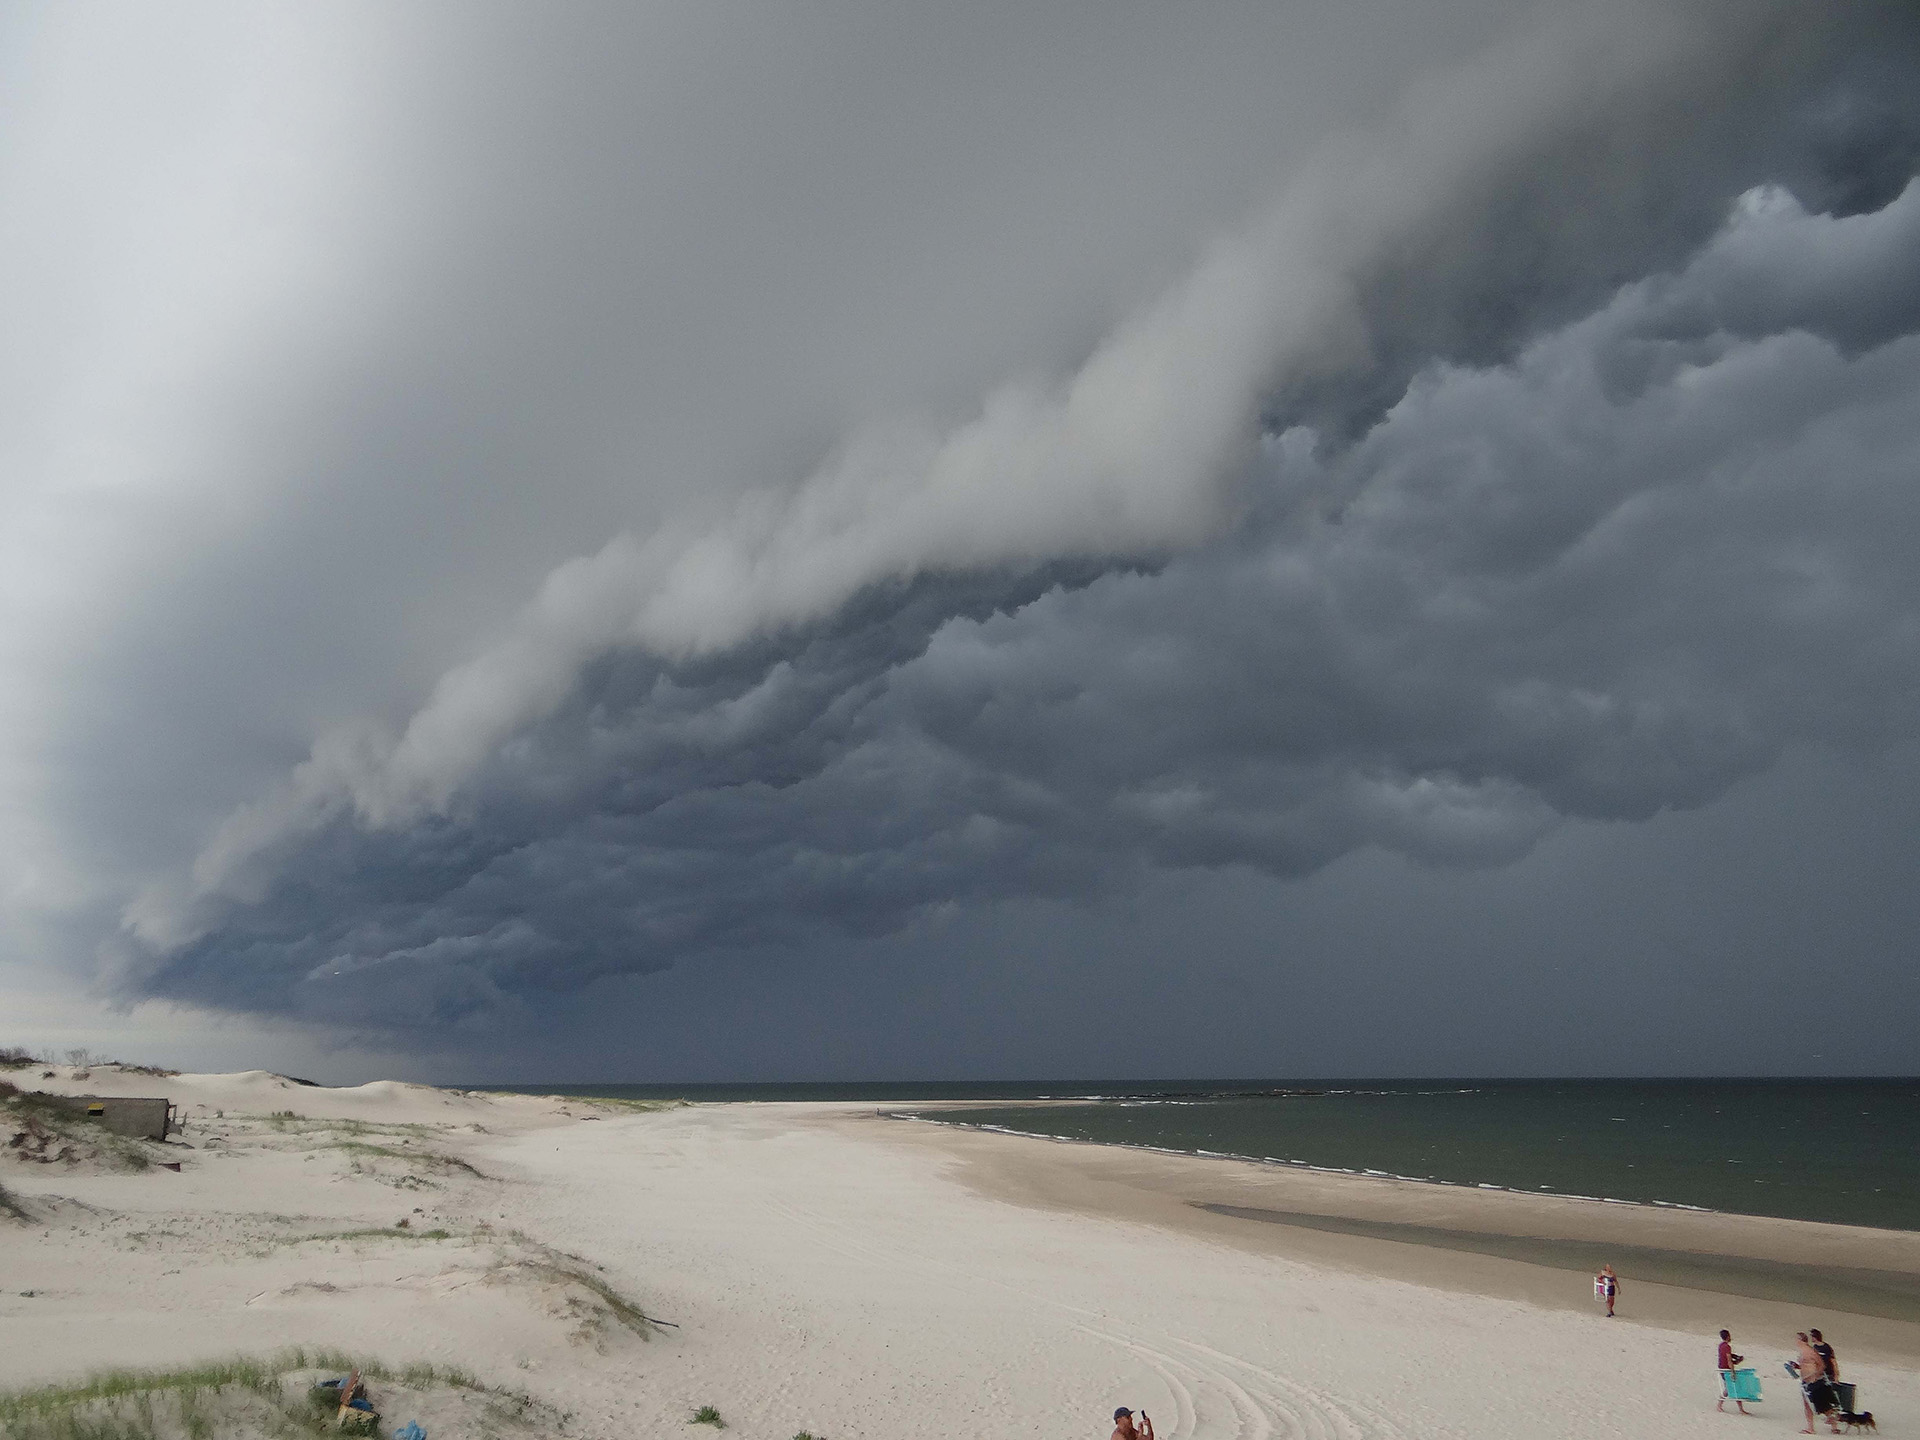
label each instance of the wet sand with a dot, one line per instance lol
(1680, 1269)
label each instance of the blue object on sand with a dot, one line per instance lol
(410, 1431)
(1742, 1384)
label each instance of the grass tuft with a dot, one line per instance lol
(385, 1233)
(242, 1395)
(708, 1415)
(425, 1158)
(571, 1269)
(289, 1121)
(624, 1310)
(45, 1122)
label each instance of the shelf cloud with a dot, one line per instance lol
(1540, 448)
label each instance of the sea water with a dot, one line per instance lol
(1839, 1150)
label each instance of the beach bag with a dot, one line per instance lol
(1742, 1384)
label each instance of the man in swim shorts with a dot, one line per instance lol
(1816, 1392)
(1123, 1428)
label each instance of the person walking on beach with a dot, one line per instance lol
(1828, 1359)
(1606, 1285)
(1728, 1360)
(1816, 1392)
(1123, 1427)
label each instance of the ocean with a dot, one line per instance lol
(1846, 1151)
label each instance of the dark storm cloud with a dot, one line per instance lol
(1612, 576)
(500, 499)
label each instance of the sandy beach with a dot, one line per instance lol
(824, 1268)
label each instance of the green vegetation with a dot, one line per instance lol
(427, 1158)
(574, 1270)
(392, 1232)
(623, 1309)
(11, 1206)
(12, 1057)
(44, 1124)
(359, 1141)
(708, 1415)
(287, 1122)
(256, 1396)
(618, 1102)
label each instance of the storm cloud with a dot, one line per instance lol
(1544, 448)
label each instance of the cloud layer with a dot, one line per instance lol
(1612, 576)
(1006, 500)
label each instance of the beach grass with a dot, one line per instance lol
(244, 1394)
(708, 1415)
(371, 1232)
(571, 1269)
(38, 1110)
(289, 1122)
(432, 1160)
(623, 1309)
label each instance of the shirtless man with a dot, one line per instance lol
(1123, 1428)
(1813, 1380)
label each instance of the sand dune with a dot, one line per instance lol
(818, 1268)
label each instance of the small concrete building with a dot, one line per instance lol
(138, 1119)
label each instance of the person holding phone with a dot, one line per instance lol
(1124, 1429)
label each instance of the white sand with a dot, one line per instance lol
(827, 1271)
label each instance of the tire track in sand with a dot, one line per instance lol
(1217, 1395)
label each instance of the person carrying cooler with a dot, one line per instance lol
(1728, 1362)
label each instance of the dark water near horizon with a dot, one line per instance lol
(1846, 1151)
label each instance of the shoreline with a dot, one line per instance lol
(1308, 1165)
(1688, 1268)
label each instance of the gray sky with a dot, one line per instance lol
(694, 541)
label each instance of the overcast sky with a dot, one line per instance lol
(696, 541)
